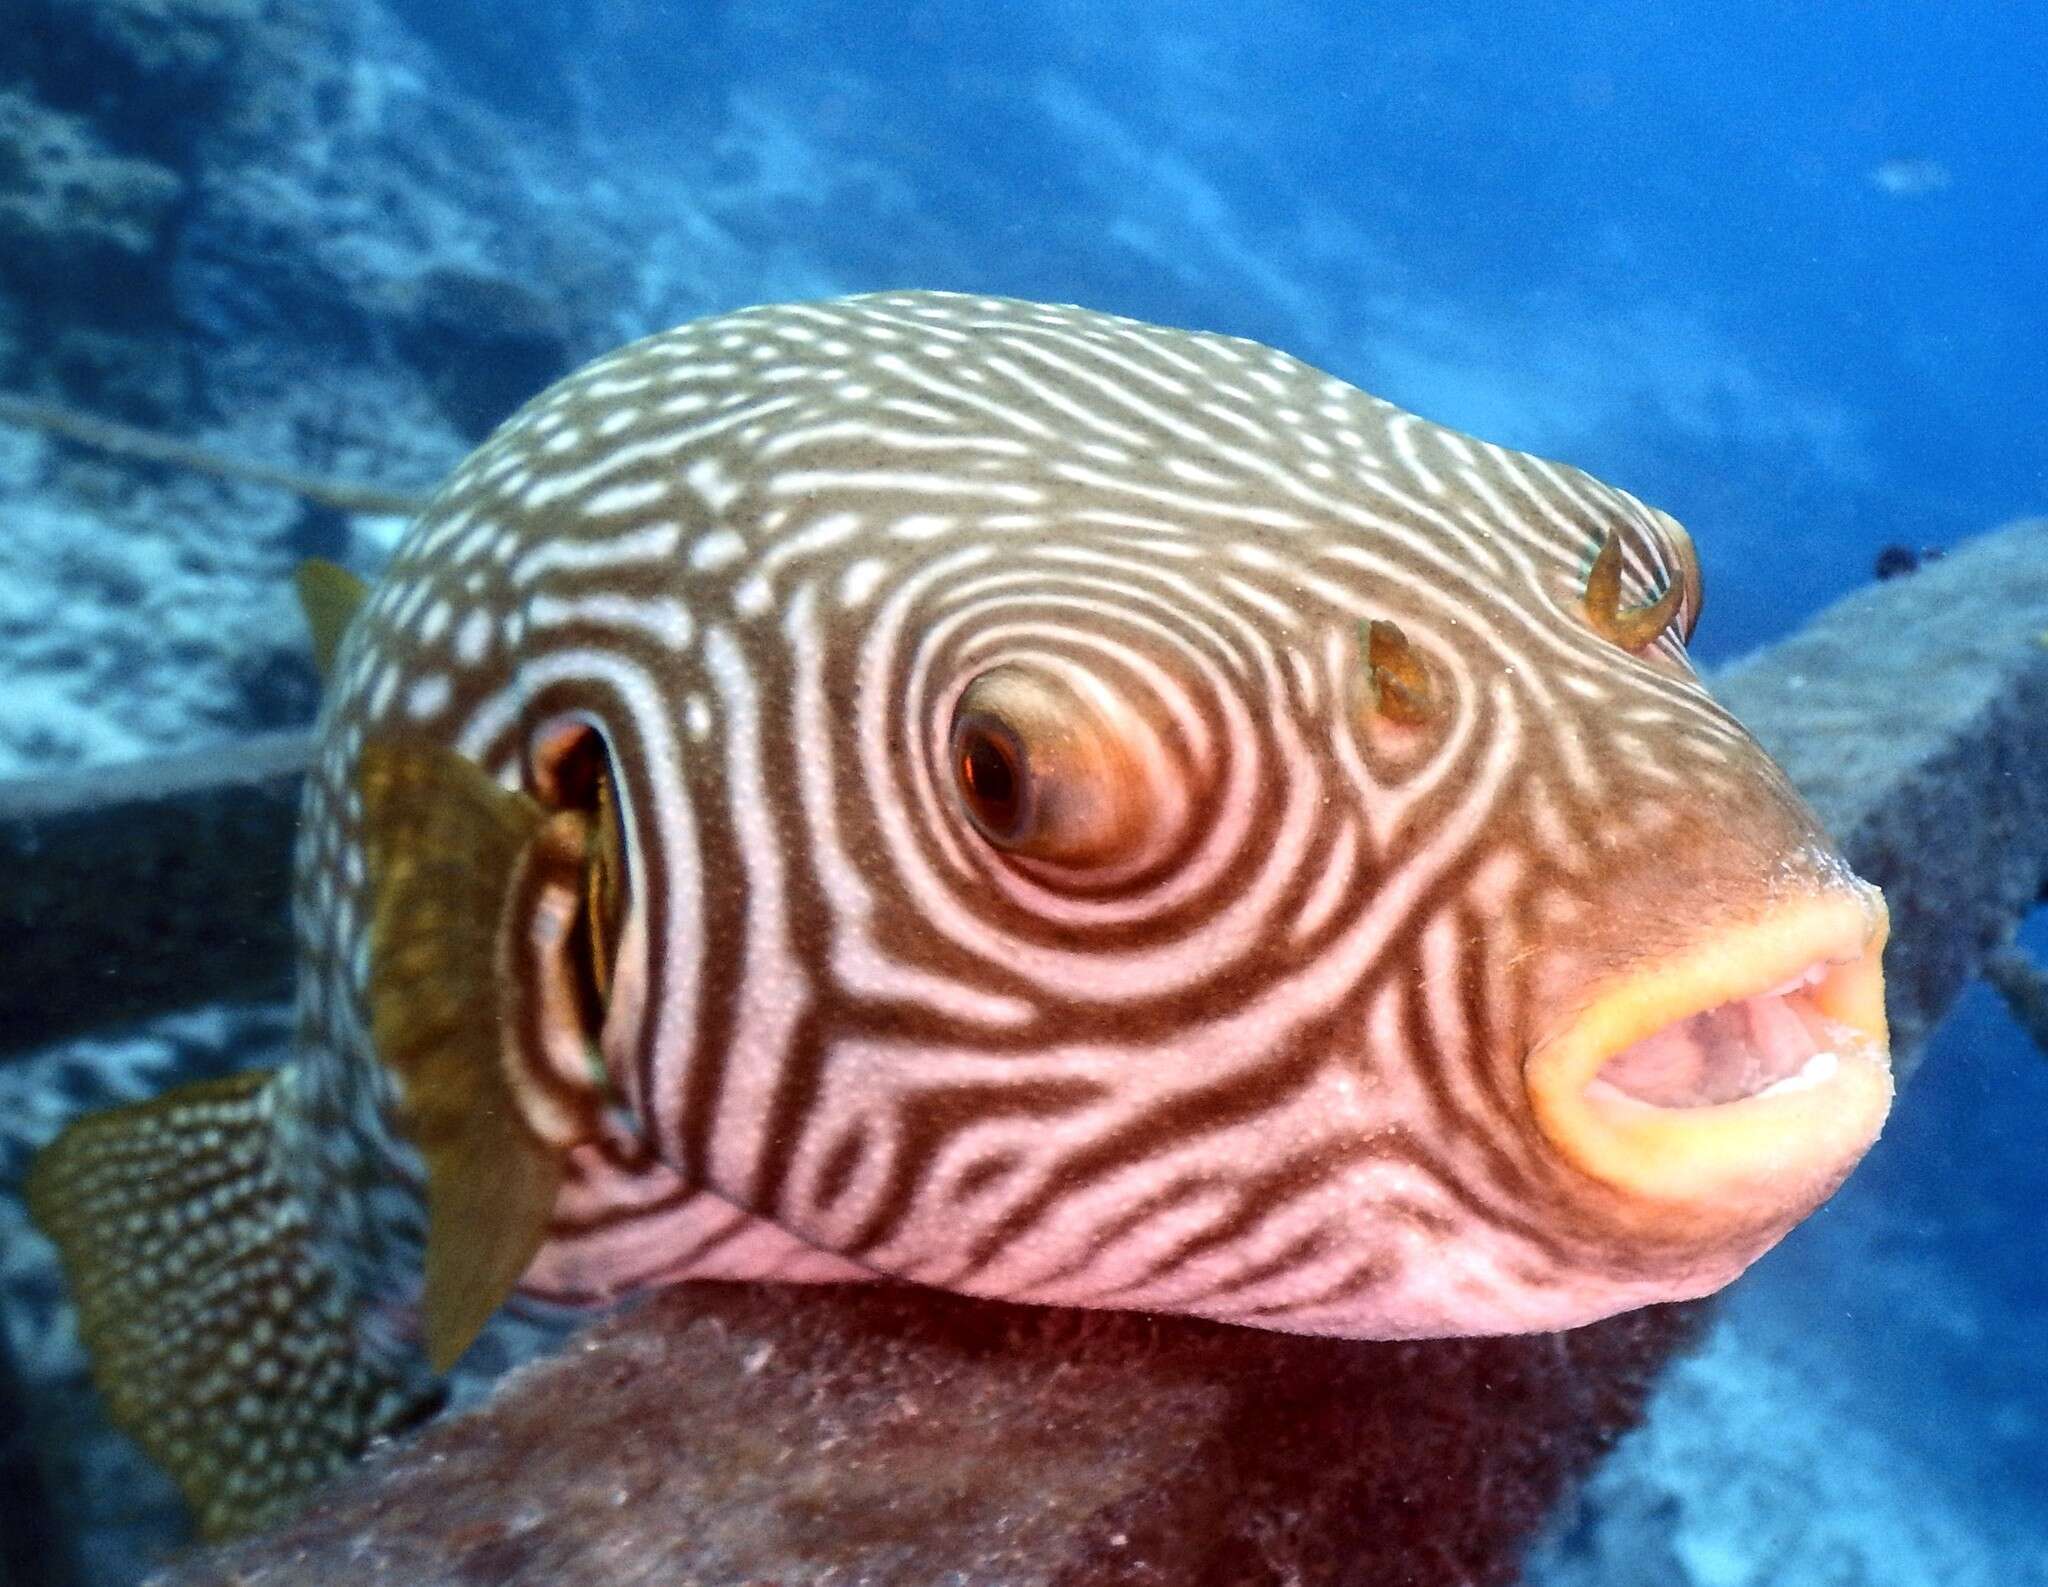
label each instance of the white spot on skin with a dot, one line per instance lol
(405, 606)
(752, 597)
(428, 697)
(473, 638)
(345, 922)
(697, 717)
(473, 543)
(859, 581)
(708, 478)
(664, 620)
(652, 542)
(383, 691)
(923, 526)
(623, 386)
(630, 497)
(436, 622)
(719, 549)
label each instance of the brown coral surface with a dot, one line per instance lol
(727, 1434)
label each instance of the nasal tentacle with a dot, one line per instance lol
(1632, 628)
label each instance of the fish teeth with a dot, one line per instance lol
(1817, 1070)
(1810, 976)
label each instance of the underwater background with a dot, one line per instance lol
(1776, 270)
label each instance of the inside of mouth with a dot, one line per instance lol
(1765, 1044)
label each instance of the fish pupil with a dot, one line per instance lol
(989, 776)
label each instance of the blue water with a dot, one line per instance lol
(1641, 236)
(1924, 1281)
(1777, 269)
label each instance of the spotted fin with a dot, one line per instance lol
(476, 893)
(220, 1338)
(329, 595)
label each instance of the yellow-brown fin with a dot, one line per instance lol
(222, 1339)
(475, 890)
(329, 595)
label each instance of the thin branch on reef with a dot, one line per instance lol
(122, 440)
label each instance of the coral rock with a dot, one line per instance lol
(727, 1434)
(79, 224)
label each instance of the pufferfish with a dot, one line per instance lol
(1007, 798)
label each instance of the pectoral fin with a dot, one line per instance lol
(475, 895)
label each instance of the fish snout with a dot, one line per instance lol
(1734, 1080)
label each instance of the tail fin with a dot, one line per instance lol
(222, 1341)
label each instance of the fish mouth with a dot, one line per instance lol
(1746, 1075)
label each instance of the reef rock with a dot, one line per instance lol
(1911, 714)
(80, 225)
(323, 169)
(747, 1434)
(171, 839)
(485, 344)
(152, 72)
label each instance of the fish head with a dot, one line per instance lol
(1413, 931)
(1115, 816)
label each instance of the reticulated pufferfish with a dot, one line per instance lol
(1003, 797)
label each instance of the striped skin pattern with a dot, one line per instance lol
(1246, 1042)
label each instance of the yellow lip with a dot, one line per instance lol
(1786, 1145)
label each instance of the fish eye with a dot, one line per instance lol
(989, 770)
(1050, 766)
